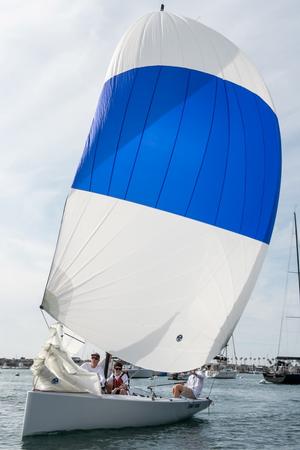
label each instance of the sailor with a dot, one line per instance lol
(95, 367)
(118, 382)
(192, 388)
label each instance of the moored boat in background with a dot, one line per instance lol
(286, 369)
(221, 372)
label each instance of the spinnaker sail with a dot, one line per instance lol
(173, 204)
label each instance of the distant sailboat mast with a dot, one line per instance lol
(297, 252)
(287, 277)
(286, 369)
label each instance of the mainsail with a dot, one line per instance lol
(173, 203)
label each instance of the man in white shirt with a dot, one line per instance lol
(94, 366)
(192, 388)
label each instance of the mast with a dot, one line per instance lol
(297, 252)
(107, 360)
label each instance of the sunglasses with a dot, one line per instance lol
(118, 368)
(95, 357)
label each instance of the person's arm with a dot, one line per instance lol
(125, 380)
(199, 375)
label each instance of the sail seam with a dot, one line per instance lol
(95, 255)
(264, 168)
(90, 237)
(121, 131)
(142, 133)
(95, 152)
(206, 148)
(176, 138)
(245, 161)
(227, 153)
(71, 235)
(189, 27)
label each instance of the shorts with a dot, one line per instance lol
(188, 393)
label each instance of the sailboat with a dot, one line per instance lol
(220, 369)
(286, 369)
(167, 223)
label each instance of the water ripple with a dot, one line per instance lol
(245, 415)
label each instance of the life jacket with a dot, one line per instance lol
(117, 382)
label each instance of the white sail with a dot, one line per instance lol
(173, 204)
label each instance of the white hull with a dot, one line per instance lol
(55, 411)
(222, 374)
(143, 373)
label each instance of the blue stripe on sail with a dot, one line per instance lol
(189, 143)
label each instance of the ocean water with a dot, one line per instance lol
(245, 415)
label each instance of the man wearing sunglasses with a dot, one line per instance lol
(95, 367)
(117, 383)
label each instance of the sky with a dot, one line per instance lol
(53, 59)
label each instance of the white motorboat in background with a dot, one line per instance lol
(138, 372)
(226, 373)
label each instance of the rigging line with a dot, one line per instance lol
(285, 292)
(73, 337)
(211, 387)
(297, 252)
(166, 384)
(43, 314)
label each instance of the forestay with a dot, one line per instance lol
(174, 200)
